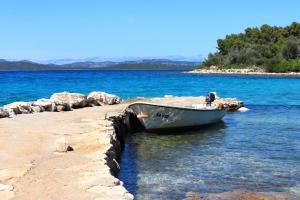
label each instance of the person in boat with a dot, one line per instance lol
(210, 98)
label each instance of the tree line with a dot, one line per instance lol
(277, 49)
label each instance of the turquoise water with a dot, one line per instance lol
(258, 150)
(28, 86)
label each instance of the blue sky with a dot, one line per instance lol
(56, 29)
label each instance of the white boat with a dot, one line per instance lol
(155, 116)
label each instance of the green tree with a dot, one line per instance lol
(272, 46)
(290, 50)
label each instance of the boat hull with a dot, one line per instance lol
(154, 116)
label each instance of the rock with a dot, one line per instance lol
(63, 107)
(102, 98)
(232, 103)
(128, 196)
(59, 108)
(3, 113)
(73, 100)
(12, 109)
(62, 145)
(36, 109)
(45, 105)
(18, 108)
(25, 107)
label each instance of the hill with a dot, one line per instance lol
(23, 65)
(107, 65)
(276, 49)
(155, 64)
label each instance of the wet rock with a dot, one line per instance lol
(3, 113)
(45, 105)
(73, 100)
(102, 98)
(18, 108)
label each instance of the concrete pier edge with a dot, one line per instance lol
(68, 155)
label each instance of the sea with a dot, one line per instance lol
(257, 150)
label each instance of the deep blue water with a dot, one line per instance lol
(258, 150)
(27, 86)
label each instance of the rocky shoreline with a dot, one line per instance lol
(58, 102)
(246, 71)
(66, 101)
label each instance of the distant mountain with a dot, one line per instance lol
(23, 65)
(155, 64)
(196, 58)
(105, 65)
(89, 64)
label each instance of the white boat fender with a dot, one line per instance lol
(243, 109)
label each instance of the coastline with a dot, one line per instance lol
(248, 72)
(37, 164)
(67, 155)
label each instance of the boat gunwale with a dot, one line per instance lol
(177, 107)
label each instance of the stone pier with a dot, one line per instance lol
(66, 155)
